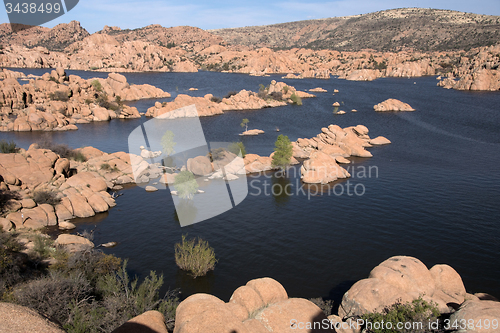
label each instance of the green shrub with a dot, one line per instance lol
(61, 149)
(418, 311)
(8, 147)
(105, 166)
(277, 95)
(43, 246)
(325, 306)
(5, 199)
(236, 148)
(97, 85)
(51, 295)
(215, 99)
(46, 197)
(53, 79)
(195, 256)
(186, 184)
(78, 156)
(285, 89)
(296, 99)
(59, 96)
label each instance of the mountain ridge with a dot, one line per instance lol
(388, 30)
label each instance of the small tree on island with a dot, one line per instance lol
(282, 152)
(167, 141)
(244, 123)
(186, 185)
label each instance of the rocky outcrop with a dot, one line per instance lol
(392, 104)
(209, 106)
(252, 132)
(56, 102)
(478, 312)
(332, 146)
(16, 319)
(318, 89)
(148, 322)
(80, 188)
(404, 279)
(262, 305)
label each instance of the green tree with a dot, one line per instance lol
(236, 148)
(186, 185)
(167, 141)
(283, 152)
(244, 123)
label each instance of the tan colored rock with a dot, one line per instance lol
(79, 204)
(449, 285)
(286, 316)
(408, 274)
(370, 295)
(318, 89)
(148, 322)
(199, 166)
(478, 312)
(392, 104)
(192, 306)
(321, 168)
(6, 224)
(65, 225)
(20, 319)
(66, 239)
(248, 298)
(252, 132)
(269, 290)
(379, 140)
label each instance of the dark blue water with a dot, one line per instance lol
(434, 193)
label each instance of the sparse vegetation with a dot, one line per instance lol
(231, 93)
(237, 148)
(296, 99)
(97, 85)
(283, 152)
(195, 256)
(61, 149)
(168, 143)
(46, 197)
(215, 99)
(88, 291)
(186, 184)
(5, 197)
(8, 147)
(418, 311)
(59, 96)
(325, 306)
(244, 123)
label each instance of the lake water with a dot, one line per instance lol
(435, 195)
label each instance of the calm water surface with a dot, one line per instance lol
(435, 196)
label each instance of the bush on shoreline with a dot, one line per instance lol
(8, 147)
(84, 291)
(46, 197)
(195, 256)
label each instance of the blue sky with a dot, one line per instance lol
(94, 14)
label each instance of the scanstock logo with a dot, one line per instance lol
(174, 145)
(24, 14)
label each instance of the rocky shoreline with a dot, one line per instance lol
(114, 50)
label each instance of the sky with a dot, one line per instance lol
(130, 14)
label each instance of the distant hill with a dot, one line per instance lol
(55, 39)
(390, 30)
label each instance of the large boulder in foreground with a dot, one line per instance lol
(19, 319)
(148, 322)
(199, 166)
(403, 279)
(392, 104)
(478, 312)
(262, 305)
